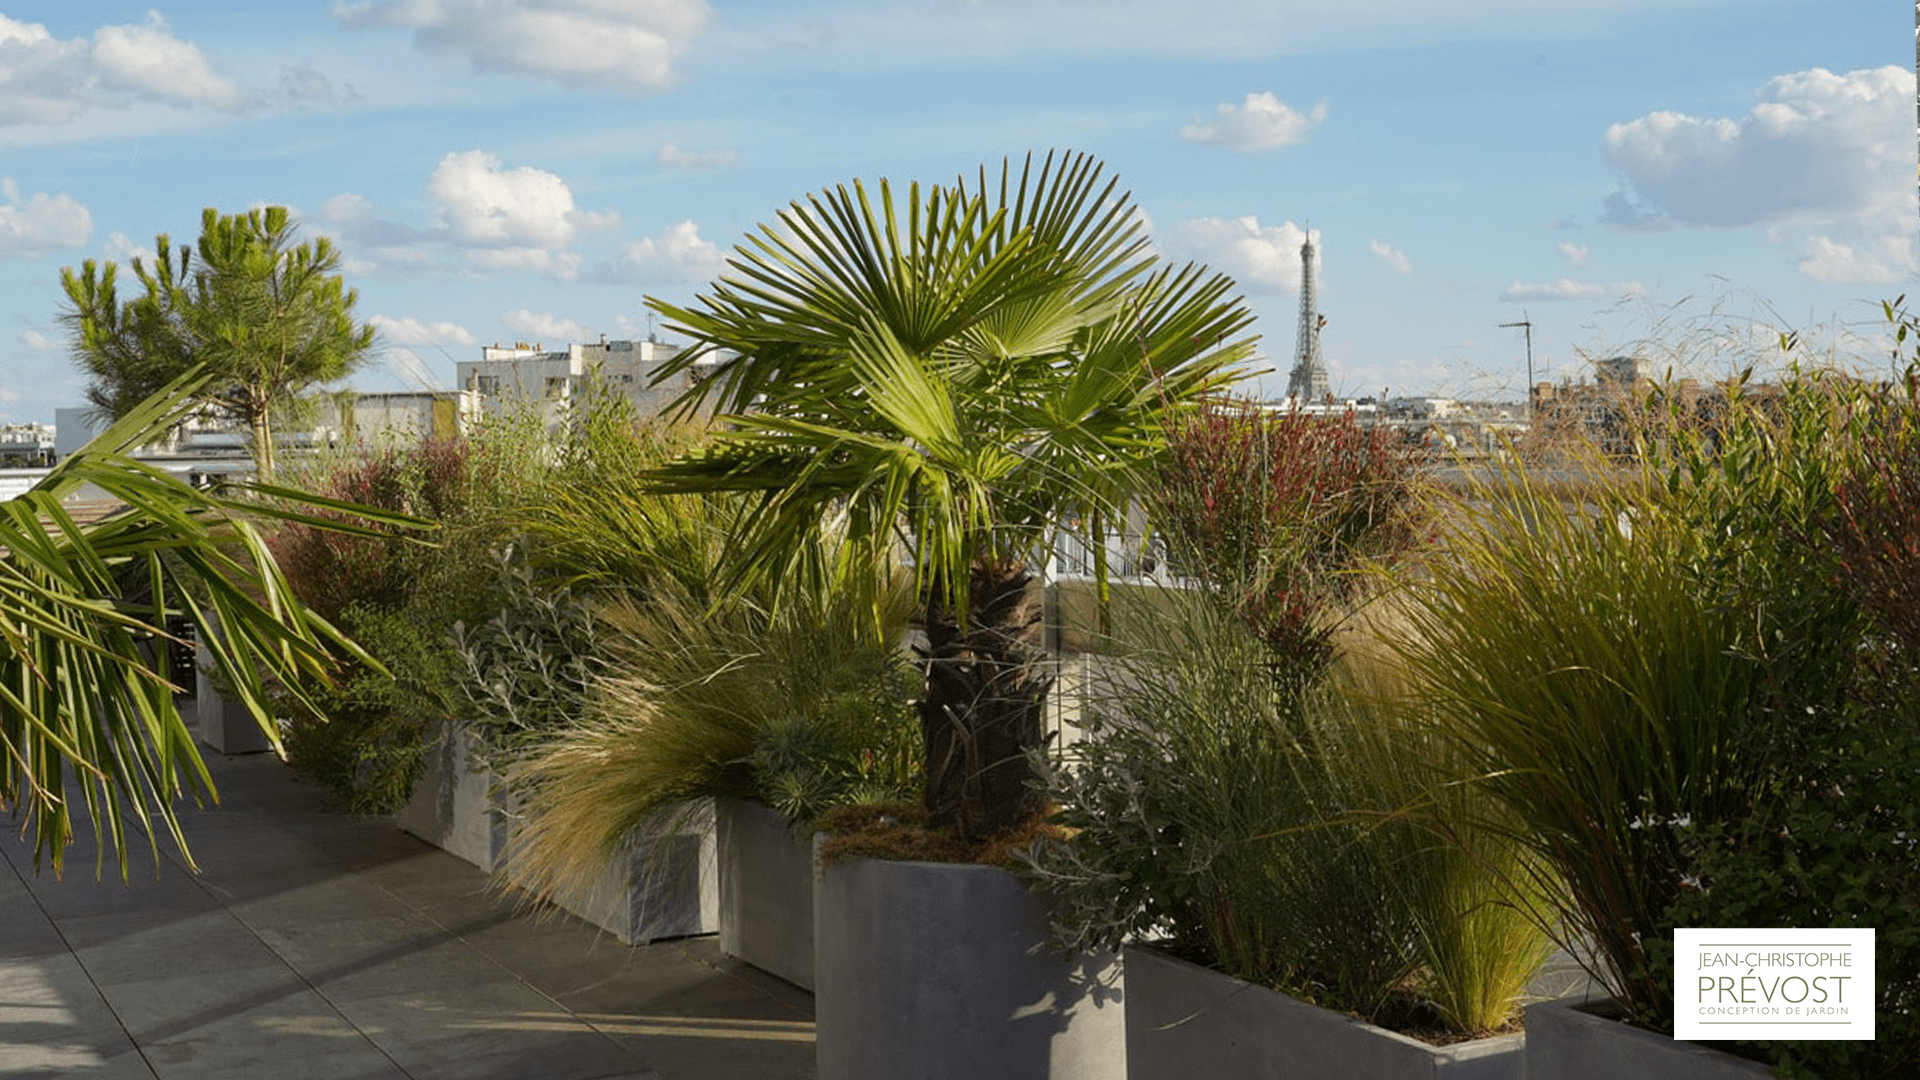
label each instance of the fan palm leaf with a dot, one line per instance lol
(89, 722)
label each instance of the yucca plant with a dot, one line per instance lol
(88, 718)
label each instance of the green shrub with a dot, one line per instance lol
(1255, 826)
(1832, 838)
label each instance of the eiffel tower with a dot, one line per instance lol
(1307, 382)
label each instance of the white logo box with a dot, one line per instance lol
(1749, 983)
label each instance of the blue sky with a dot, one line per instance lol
(1681, 177)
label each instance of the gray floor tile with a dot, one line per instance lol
(502, 1029)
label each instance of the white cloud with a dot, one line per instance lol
(678, 254)
(1391, 256)
(1884, 261)
(1818, 146)
(481, 203)
(41, 224)
(121, 248)
(603, 44)
(42, 80)
(544, 327)
(404, 338)
(1575, 254)
(1263, 122)
(1258, 257)
(149, 61)
(1568, 289)
(411, 331)
(563, 265)
(677, 158)
(39, 342)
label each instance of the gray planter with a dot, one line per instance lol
(454, 806)
(224, 724)
(1570, 1041)
(1186, 1020)
(936, 971)
(766, 891)
(664, 884)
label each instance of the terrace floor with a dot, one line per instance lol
(321, 945)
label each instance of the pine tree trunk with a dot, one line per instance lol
(981, 715)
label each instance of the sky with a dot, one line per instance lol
(1684, 179)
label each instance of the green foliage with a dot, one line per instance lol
(957, 372)
(401, 599)
(268, 317)
(793, 698)
(527, 672)
(1254, 824)
(1278, 510)
(1832, 839)
(1622, 665)
(87, 717)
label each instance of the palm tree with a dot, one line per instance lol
(961, 383)
(88, 718)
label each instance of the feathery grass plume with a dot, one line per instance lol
(798, 699)
(1258, 825)
(1611, 662)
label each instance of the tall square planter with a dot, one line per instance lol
(766, 891)
(221, 722)
(659, 885)
(1187, 1020)
(1567, 1040)
(939, 971)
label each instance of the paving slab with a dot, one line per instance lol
(340, 946)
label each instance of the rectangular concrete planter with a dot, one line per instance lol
(660, 886)
(766, 891)
(1186, 1020)
(224, 724)
(940, 971)
(1567, 1040)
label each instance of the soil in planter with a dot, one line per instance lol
(899, 832)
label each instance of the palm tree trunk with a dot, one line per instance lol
(984, 702)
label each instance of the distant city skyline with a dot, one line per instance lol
(1701, 172)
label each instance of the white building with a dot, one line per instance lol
(529, 375)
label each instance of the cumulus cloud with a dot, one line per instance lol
(544, 326)
(415, 332)
(1568, 289)
(404, 338)
(1884, 261)
(1262, 122)
(564, 265)
(1391, 256)
(148, 60)
(1260, 258)
(482, 203)
(1817, 146)
(678, 253)
(604, 44)
(1575, 254)
(46, 80)
(39, 342)
(677, 158)
(40, 224)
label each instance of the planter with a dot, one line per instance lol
(660, 886)
(936, 971)
(1567, 1040)
(766, 891)
(224, 724)
(454, 806)
(1187, 1020)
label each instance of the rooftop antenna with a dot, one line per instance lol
(1526, 324)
